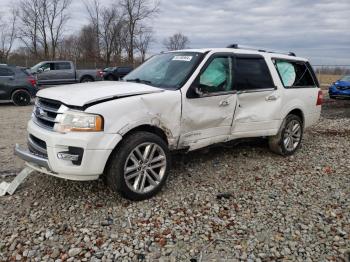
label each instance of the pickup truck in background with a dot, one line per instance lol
(63, 72)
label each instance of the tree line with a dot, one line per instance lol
(117, 33)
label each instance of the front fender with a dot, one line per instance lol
(162, 110)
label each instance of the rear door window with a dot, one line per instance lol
(6, 72)
(62, 66)
(252, 73)
(294, 74)
(124, 70)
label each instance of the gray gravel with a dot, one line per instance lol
(270, 208)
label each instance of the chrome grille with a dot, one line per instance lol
(37, 146)
(45, 112)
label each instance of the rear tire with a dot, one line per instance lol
(289, 137)
(138, 168)
(21, 97)
(86, 79)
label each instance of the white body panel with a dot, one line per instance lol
(187, 123)
(85, 93)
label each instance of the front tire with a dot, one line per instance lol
(138, 168)
(288, 139)
(21, 97)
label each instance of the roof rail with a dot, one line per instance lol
(236, 46)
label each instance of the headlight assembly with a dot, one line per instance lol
(78, 122)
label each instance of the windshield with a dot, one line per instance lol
(169, 70)
(36, 67)
(345, 78)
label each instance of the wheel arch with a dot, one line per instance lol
(19, 89)
(149, 128)
(298, 112)
(86, 76)
(144, 127)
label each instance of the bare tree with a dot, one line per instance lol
(108, 23)
(42, 24)
(94, 7)
(143, 40)
(56, 16)
(88, 44)
(8, 34)
(119, 43)
(136, 11)
(69, 48)
(29, 29)
(176, 42)
(112, 22)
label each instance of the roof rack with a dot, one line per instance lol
(236, 46)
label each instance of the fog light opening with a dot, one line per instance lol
(74, 154)
(67, 156)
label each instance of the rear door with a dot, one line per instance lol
(6, 83)
(209, 104)
(64, 73)
(258, 99)
(300, 87)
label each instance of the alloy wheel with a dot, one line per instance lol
(292, 135)
(145, 167)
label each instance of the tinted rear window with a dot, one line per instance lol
(6, 72)
(295, 73)
(62, 66)
(124, 69)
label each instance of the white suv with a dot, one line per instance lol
(182, 100)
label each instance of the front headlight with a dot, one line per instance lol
(78, 121)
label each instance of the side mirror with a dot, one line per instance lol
(40, 70)
(198, 90)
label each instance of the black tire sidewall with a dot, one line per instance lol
(86, 80)
(115, 170)
(16, 94)
(283, 148)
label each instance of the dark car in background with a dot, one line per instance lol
(17, 85)
(116, 73)
(340, 88)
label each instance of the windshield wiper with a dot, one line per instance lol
(138, 80)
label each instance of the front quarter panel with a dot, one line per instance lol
(162, 110)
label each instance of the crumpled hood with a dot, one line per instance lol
(86, 93)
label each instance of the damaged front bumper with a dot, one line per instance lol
(73, 156)
(27, 156)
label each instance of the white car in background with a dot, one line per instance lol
(181, 100)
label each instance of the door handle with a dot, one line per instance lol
(224, 103)
(272, 98)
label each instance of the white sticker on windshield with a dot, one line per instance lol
(182, 58)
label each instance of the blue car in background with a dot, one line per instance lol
(341, 88)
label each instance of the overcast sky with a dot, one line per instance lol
(319, 30)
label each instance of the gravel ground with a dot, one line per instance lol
(270, 208)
